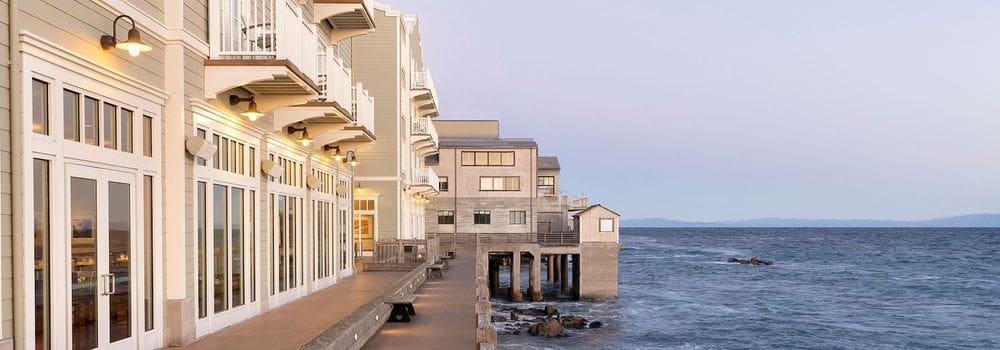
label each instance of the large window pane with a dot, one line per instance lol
(292, 239)
(42, 226)
(202, 251)
(120, 259)
(148, 244)
(110, 135)
(83, 263)
(91, 121)
(251, 235)
(236, 234)
(494, 158)
(282, 233)
(40, 107)
(71, 115)
(219, 246)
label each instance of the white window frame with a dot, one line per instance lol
(61, 69)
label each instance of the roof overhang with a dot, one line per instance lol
(273, 82)
(348, 18)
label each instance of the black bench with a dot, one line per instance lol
(402, 308)
(434, 271)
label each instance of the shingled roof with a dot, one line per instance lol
(488, 143)
(548, 163)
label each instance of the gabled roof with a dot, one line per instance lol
(595, 206)
(548, 163)
(487, 143)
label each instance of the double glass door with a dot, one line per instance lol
(102, 275)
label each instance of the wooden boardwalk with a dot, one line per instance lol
(294, 324)
(446, 312)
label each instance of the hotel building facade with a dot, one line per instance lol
(209, 161)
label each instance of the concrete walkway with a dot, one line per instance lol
(294, 324)
(446, 311)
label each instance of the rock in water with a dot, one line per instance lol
(550, 328)
(753, 261)
(515, 314)
(551, 310)
(575, 322)
(498, 318)
(595, 324)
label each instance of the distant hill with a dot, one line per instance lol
(975, 220)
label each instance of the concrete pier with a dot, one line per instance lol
(515, 277)
(549, 268)
(564, 273)
(555, 267)
(535, 278)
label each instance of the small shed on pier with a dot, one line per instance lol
(597, 224)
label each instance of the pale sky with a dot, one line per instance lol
(715, 110)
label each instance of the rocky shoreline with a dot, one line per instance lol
(545, 322)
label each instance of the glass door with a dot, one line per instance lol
(101, 267)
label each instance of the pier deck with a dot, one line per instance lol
(446, 311)
(295, 324)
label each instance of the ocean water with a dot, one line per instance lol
(828, 289)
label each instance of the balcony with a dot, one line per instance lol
(348, 18)
(423, 136)
(264, 47)
(360, 129)
(424, 181)
(424, 94)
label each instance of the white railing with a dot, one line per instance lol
(426, 176)
(424, 126)
(339, 83)
(363, 107)
(264, 29)
(423, 80)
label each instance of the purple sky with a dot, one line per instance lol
(710, 110)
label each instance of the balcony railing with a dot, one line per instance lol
(264, 30)
(424, 127)
(545, 239)
(426, 177)
(423, 80)
(577, 201)
(340, 87)
(363, 107)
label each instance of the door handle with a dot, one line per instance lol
(111, 282)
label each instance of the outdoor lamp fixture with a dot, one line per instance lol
(252, 113)
(133, 45)
(337, 156)
(351, 158)
(304, 138)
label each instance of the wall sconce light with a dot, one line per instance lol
(337, 156)
(133, 45)
(351, 158)
(304, 138)
(252, 113)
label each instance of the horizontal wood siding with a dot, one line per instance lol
(77, 27)
(380, 75)
(196, 18)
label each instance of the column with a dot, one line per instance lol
(180, 307)
(564, 273)
(494, 277)
(576, 276)
(556, 261)
(549, 268)
(515, 278)
(535, 278)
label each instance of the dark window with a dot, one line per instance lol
(546, 185)
(443, 183)
(446, 217)
(482, 217)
